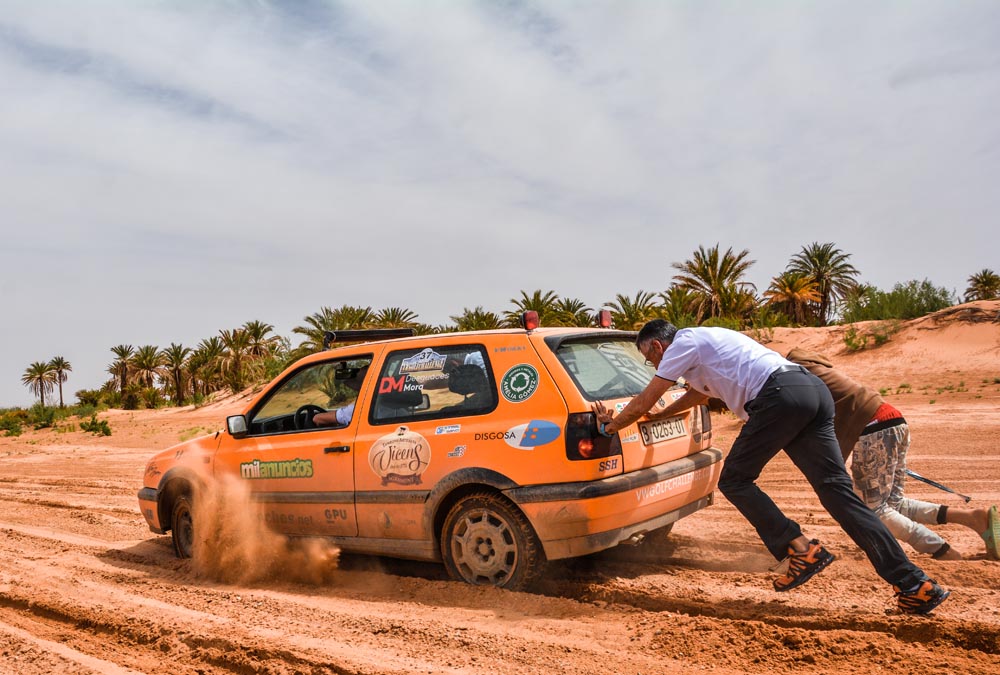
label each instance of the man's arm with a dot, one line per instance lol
(325, 419)
(690, 399)
(636, 408)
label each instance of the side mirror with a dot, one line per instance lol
(237, 426)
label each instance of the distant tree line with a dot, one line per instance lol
(819, 285)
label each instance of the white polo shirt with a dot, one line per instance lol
(345, 414)
(721, 363)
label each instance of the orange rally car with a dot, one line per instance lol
(478, 450)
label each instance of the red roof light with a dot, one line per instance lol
(529, 320)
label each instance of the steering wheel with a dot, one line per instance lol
(303, 417)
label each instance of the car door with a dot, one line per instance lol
(301, 475)
(430, 400)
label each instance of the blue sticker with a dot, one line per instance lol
(532, 434)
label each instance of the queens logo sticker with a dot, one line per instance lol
(400, 457)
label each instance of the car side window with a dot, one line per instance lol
(433, 383)
(318, 388)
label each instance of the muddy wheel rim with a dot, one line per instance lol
(484, 548)
(185, 530)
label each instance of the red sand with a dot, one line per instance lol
(86, 588)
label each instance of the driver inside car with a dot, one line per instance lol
(341, 417)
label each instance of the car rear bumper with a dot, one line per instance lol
(573, 519)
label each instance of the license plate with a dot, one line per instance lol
(661, 430)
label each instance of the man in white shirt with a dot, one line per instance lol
(783, 407)
(341, 417)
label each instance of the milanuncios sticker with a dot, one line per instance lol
(400, 457)
(532, 434)
(519, 383)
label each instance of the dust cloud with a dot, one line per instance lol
(232, 543)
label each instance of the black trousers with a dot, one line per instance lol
(794, 412)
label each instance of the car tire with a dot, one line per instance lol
(486, 540)
(182, 526)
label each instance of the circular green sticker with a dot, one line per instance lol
(519, 383)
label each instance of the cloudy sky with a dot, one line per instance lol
(168, 169)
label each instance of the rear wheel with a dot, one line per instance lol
(487, 540)
(182, 526)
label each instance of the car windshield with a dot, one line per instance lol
(605, 367)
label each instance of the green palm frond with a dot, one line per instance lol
(40, 379)
(828, 266)
(983, 285)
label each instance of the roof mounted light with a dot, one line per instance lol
(604, 318)
(529, 320)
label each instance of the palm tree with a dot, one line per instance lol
(572, 312)
(710, 275)
(60, 367)
(395, 317)
(40, 378)
(195, 369)
(828, 266)
(122, 366)
(427, 329)
(262, 341)
(174, 359)
(983, 285)
(792, 293)
(203, 364)
(342, 318)
(542, 302)
(738, 303)
(679, 306)
(476, 319)
(147, 364)
(632, 313)
(237, 344)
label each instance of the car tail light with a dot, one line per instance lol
(584, 442)
(706, 423)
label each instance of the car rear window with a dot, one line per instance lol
(604, 368)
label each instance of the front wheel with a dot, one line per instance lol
(182, 526)
(487, 540)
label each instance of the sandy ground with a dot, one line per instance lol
(86, 588)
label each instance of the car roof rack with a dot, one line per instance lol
(365, 335)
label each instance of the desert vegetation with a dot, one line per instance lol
(818, 286)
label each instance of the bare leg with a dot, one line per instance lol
(974, 519)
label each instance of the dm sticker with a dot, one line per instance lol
(400, 457)
(519, 383)
(532, 434)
